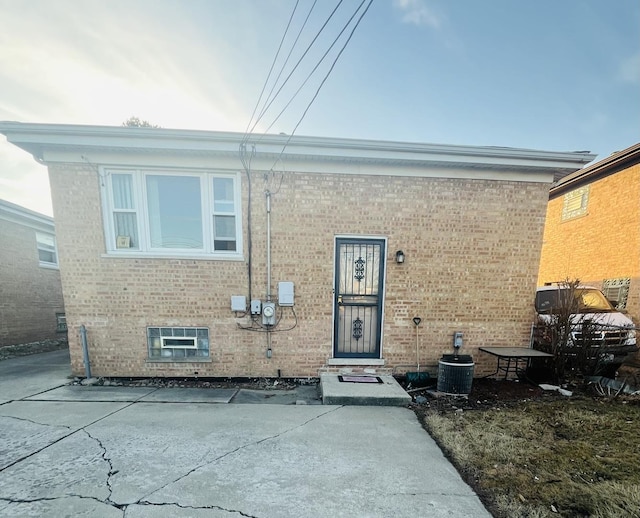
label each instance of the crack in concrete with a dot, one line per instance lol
(36, 422)
(29, 500)
(25, 457)
(62, 497)
(244, 446)
(181, 506)
(111, 472)
(82, 428)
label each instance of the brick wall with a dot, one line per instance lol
(472, 249)
(602, 244)
(30, 296)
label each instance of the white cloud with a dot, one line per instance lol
(23, 181)
(95, 62)
(416, 12)
(124, 66)
(629, 71)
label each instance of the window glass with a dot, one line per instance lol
(175, 211)
(172, 342)
(125, 219)
(126, 229)
(223, 195)
(171, 214)
(122, 185)
(224, 232)
(225, 227)
(46, 244)
(61, 322)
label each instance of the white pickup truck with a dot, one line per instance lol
(608, 335)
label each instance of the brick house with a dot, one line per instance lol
(592, 230)
(31, 305)
(187, 252)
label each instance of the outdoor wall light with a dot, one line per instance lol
(399, 257)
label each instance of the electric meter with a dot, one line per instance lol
(269, 314)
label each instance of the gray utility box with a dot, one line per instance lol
(285, 293)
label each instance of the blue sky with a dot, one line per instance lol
(551, 75)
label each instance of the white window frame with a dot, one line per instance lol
(47, 248)
(185, 339)
(141, 211)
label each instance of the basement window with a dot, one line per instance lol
(178, 342)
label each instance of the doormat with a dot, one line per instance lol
(360, 379)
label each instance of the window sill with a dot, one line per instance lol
(356, 361)
(178, 360)
(49, 266)
(153, 255)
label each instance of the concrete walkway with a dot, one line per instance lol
(132, 454)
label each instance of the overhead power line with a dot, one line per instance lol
(268, 102)
(275, 59)
(315, 95)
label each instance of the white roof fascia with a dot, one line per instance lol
(226, 164)
(17, 214)
(41, 139)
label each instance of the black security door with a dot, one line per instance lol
(359, 277)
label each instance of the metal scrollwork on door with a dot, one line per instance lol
(359, 269)
(357, 328)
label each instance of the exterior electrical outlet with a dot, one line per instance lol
(256, 307)
(285, 293)
(269, 314)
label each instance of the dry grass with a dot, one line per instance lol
(577, 457)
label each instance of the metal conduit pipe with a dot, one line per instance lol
(268, 199)
(85, 351)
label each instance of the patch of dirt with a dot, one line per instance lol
(235, 383)
(485, 394)
(13, 351)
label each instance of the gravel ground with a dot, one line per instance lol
(12, 351)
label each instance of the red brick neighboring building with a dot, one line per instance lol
(189, 252)
(31, 306)
(592, 230)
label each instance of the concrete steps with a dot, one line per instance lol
(387, 393)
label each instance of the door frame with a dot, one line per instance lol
(382, 295)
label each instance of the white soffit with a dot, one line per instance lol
(104, 145)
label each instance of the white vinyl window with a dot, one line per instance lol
(47, 253)
(155, 212)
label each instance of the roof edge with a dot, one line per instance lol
(35, 137)
(612, 164)
(18, 214)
